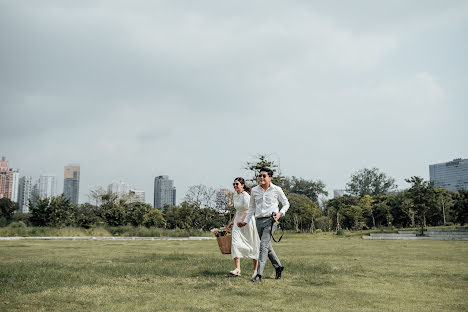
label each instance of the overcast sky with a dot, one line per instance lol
(193, 89)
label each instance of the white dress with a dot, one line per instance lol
(245, 240)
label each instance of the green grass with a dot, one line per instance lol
(323, 273)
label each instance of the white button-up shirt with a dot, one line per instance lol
(264, 203)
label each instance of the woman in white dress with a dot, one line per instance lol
(245, 240)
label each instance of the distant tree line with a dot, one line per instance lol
(372, 202)
(108, 209)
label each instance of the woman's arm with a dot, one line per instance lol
(243, 215)
(232, 221)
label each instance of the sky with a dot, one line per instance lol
(131, 90)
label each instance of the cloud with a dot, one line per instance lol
(132, 91)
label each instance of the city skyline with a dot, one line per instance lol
(48, 187)
(137, 90)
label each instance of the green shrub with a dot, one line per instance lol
(3, 221)
(19, 224)
(323, 223)
(23, 217)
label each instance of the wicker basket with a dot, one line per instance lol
(224, 243)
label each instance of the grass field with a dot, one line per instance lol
(323, 272)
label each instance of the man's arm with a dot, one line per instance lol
(284, 200)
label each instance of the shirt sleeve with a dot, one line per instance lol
(284, 200)
(246, 201)
(251, 209)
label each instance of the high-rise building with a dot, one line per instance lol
(47, 186)
(452, 175)
(14, 186)
(24, 193)
(136, 196)
(118, 187)
(164, 192)
(71, 183)
(223, 199)
(8, 181)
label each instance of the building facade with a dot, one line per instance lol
(136, 196)
(24, 194)
(8, 181)
(118, 187)
(164, 192)
(47, 186)
(14, 186)
(223, 199)
(71, 183)
(339, 193)
(452, 175)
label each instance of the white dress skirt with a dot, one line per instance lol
(245, 240)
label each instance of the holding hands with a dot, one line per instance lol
(241, 224)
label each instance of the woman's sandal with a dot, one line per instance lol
(235, 272)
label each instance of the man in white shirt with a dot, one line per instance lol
(264, 201)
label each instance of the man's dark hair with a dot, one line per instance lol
(267, 170)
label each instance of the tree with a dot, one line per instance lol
(154, 218)
(39, 211)
(336, 210)
(112, 210)
(55, 211)
(309, 188)
(180, 217)
(7, 208)
(382, 210)
(444, 200)
(60, 212)
(366, 206)
(87, 215)
(370, 182)
(460, 208)
(422, 197)
(201, 196)
(353, 213)
(136, 213)
(401, 209)
(302, 213)
(263, 161)
(96, 196)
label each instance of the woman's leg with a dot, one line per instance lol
(237, 263)
(255, 264)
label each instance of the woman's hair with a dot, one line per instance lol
(242, 181)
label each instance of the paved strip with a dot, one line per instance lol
(106, 238)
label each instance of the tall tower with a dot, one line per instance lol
(14, 186)
(164, 192)
(71, 182)
(47, 186)
(24, 193)
(8, 181)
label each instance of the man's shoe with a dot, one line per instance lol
(257, 278)
(278, 272)
(254, 274)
